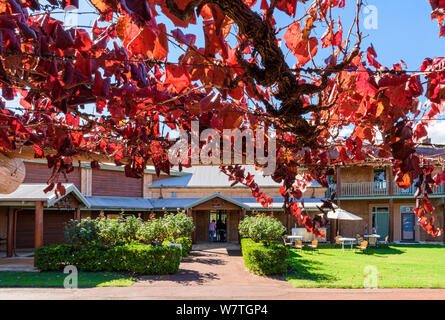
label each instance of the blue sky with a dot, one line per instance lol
(405, 31)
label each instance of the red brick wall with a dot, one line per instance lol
(40, 173)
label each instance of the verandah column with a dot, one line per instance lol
(391, 204)
(38, 227)
(10, 232)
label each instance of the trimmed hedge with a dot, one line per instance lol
(186, 244)
(264, 260)
(135, 258)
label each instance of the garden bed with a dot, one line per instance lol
(134, 258)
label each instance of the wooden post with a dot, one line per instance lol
(77, 214)
(38, 227)
(335, 223)
(10, 231)
(391, 220)
(390, 182)
(443, 218)
(288, 223)
(391, 204)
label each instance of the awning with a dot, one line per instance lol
(29, 193)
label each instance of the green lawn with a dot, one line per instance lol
(398, 266)
(55, 279)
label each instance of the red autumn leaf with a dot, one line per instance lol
(38, 152)
(302, 49)
(177, 76)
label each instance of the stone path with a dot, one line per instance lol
(216, 274)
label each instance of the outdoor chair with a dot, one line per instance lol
(373, 241)
(287, 242)
(363, 246)
(384, 242)
(314, 245)
(299, 244)
(337, 240)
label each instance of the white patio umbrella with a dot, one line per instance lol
(340, 214)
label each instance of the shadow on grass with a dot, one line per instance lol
(381, 250)
(305, 268)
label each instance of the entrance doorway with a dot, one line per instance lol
(220, 218)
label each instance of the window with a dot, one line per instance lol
(380, 178)
(173, 194)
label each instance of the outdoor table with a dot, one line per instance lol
(293, 238)
(372, 236)
(350, 240)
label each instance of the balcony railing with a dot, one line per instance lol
(376, 189)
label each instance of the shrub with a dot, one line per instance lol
(186, 243)
(264, 260)
(121, 231)
(82, 233)
(53, 257)
(153, 232)
(136, 258)
(118, 231)
(261, 228)
(145, 259)
(178, 225)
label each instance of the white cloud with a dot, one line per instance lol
(436, 131)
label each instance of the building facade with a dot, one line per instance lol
(30, 218)
(372, 194)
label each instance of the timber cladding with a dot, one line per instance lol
(40, 173)
(53, 227)
(115, 183)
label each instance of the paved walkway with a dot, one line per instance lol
(216, 274)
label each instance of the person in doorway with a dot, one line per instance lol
(220, 229)
(212, 227)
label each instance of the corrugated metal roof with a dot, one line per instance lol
(212, 177)
(107, 202)
(34, 192)
(278, 202)
(126, 203)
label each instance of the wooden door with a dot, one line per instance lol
(202, 226)
(233, 219)
(408, 224)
